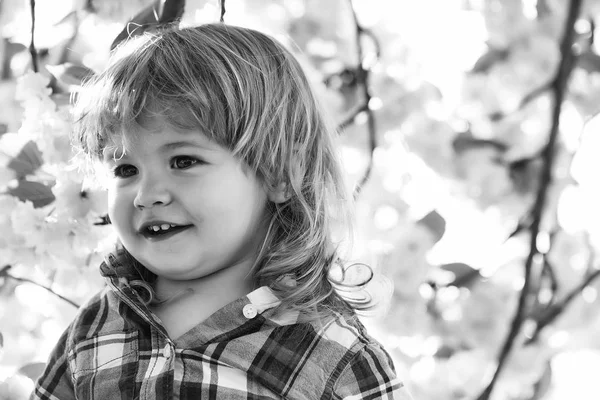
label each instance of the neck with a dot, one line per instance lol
(211, 292)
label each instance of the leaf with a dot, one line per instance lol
(487, 60)
(32, 370)
(27, 161)
(70, 75)
(525, 172)
(4, 270)
(589, 61)
(160, 12)
(544, 384)
(10, 50)
(63, 99)
(69, 18)
(39, 194)
(524, 224)
(346, 78)
(103, 220)
(435, 223)
(464, 275)
(466, 141)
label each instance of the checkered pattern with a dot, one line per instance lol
(117, 349)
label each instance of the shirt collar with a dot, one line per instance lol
(248, 315)
(121, 271)
(119, 268)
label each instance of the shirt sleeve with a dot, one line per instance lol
(370, 375)
(55, 382)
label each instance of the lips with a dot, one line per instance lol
(159, 230)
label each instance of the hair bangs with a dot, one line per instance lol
(137, 89)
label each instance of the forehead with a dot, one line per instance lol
(158, 136)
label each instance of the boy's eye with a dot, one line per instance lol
(184, 162)
(124, 171)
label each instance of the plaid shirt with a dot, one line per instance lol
(117, 349)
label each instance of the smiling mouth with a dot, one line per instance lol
(163, 231)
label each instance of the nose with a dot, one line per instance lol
(152, 191)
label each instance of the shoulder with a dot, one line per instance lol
(370, 374)
(334, 359)
(367, 370)
(91, 307)
(104, 327)
(98, 314)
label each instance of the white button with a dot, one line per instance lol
(167, 352)
(249, 311)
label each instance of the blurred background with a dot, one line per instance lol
(467, 127)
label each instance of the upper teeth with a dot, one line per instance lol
(157, 228)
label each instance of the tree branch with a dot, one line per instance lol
(554, 311)
(222, 17)
(32, 50)
(535, 93)
(558, 88)
(549, 271)
(363, 80)
(350, 119)
(5, 274)
(549, 315)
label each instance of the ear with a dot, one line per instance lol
(279, 194)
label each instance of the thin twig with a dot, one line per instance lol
(554, 311)
(350, 119)
(558, 88)
(5, 274)
(528, 98)
(559, 307)
(549, 270)
(524, 223)
(535, 93)
(222, 17)
(32, 50)
(591, 266)
(548, 273)
(363, 79)
(542, 306)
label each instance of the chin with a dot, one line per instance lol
(177, 272)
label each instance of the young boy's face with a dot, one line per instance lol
(183, 206)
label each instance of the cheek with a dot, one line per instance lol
(242, 208)
(113, 200)
(252, 214)
(118, 211)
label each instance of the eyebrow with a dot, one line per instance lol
(185, 143)
(108, 155)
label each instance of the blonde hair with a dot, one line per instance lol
(248, 93)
